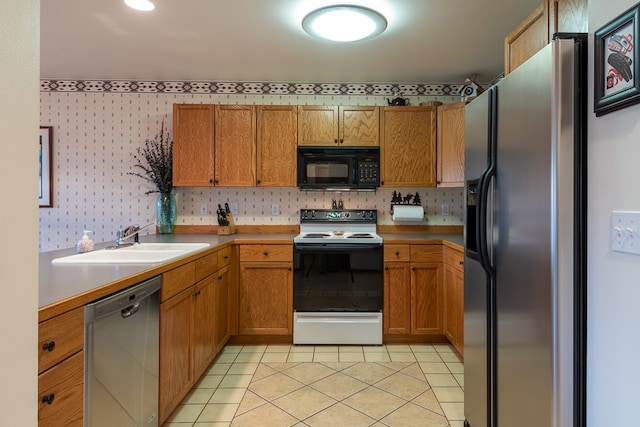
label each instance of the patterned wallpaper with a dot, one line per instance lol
(98, 125)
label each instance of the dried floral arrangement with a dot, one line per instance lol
(154, 162)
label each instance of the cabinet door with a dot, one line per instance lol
(450, 146)
(359, 126)
(426, 298)
(60, 393)
(193, 145)
(203, 345)
(176, 373)
(276, 146)
(397, 298)
(451, 302)
(235, 145)
(459, 286)
(222, 308)
(530, 36)
(266, 298)
(408, 146)
(317, 125)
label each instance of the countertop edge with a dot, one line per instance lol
(143, 272)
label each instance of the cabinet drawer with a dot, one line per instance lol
(224, 257)
(453, 258)
(206, 266)
(176, 280)
(60, 391)
(397, 253)
(426, 253)
(60, 337)
(266, 253)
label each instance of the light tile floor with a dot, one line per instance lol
(294, 385)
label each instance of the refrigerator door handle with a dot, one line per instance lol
(487, 177)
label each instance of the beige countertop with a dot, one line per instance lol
(63, 287)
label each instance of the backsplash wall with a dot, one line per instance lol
(96, 133)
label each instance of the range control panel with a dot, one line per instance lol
(339, 215)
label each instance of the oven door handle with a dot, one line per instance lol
(332, 247)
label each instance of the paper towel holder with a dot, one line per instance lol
(408, 200)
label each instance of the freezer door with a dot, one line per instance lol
(477, 282)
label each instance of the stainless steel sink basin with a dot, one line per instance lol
(140, 253)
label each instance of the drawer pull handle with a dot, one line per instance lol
(48, 399)
(265, 253)
(226, 257)
(397, 253)
(49, 346)
(461, 262)
(386, 268)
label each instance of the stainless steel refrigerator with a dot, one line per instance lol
(525, 244)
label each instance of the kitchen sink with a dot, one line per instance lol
(139, 253)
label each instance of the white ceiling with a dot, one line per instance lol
(427, 41)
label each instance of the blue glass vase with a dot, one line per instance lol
(166, 213)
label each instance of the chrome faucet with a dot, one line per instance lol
(127, 233)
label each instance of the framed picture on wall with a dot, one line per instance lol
(45, 182)
(616, 66)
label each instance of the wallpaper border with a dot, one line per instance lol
(264, 88)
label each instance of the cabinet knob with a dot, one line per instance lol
(335, 141)
(265, 253)
(386, 268)
(48, 398)
(341, 140)
(219, 277)
(413, 269)
(258, 182)
(210, 181)
(397, 253)
(461, 262)
(216, 182)
(49, 346)
(196, 293)
(226, 257)
(289, 268)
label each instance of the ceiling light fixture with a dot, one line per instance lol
(144, 5)
(344, 23)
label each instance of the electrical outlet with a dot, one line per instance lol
(445, 209)
(275, 209)
(233, 207)
(203, 209)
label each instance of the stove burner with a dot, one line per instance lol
(360, 236)
(316, 235)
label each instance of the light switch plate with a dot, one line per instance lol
(203, 209)
(233, 207)
(445, 209)
(625, 232)
(275, 209)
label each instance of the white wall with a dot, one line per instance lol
(613, 278)
(20, 69)
(95, 135)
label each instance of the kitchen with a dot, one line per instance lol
(604, 132)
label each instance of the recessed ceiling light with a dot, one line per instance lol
(344, 23)
(144, 5)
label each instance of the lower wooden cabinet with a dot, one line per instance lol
(454, 298)
(222, 312)
(266, 290)
(60, 393)
(413, 290)
(61, 369)
(193, 326)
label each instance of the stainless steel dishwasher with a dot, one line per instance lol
(121, 358)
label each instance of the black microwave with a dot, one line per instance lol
(338, 168)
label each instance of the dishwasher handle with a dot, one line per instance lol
(130, 311)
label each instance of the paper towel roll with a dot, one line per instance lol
(408, 213)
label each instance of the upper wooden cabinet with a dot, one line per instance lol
(276, 145)
(537, 29)
(407, 146)
(193, 145)
(450, 146)
(330, 125)
(235, 146)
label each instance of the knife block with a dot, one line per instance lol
(225, 230)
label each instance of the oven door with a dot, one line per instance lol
(337, 294)
(338, 277)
